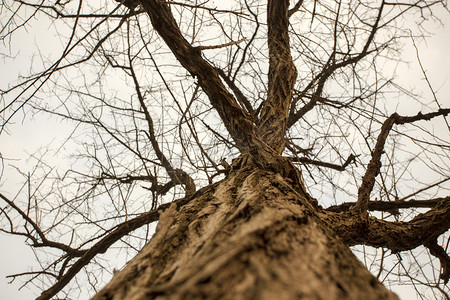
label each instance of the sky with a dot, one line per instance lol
(29, 134)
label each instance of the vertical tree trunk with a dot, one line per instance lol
(251, 236)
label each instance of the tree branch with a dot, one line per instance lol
(295, 8)
(388, 206)
(237, 92)
(373, 168)
(177, 176)
(212, 47)
(329, 68)
(282, 76)
(45, 242)
(396, 236)
(443, 257)
(309, 161)
(113, 236)
(237, 122)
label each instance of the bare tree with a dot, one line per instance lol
(266, 139)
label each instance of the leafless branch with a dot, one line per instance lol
(373, 168)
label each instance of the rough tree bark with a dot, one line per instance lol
(254, 235)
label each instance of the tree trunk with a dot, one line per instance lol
(251, 236)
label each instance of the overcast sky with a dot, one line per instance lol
(28, 135)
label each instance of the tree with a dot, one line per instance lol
(266, 139)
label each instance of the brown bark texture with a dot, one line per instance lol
(252, 236)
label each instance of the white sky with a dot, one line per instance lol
(31, 134)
